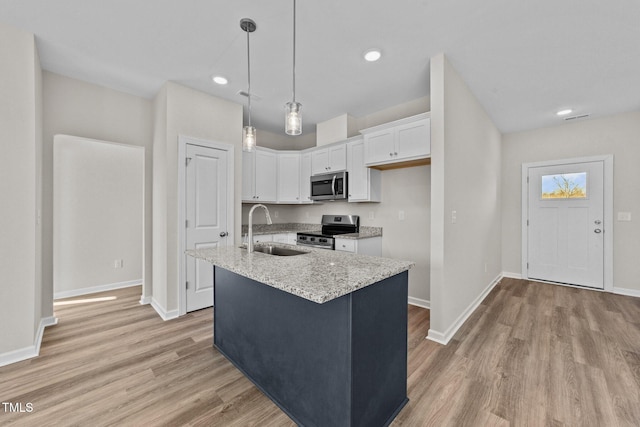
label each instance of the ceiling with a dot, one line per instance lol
(523, 60)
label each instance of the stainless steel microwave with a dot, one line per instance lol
(330, 186)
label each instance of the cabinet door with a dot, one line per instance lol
(337, 158)
(379, 146)
(265, 176)
(358, 173)
(305, 178)
(281, 238)
(262, 238)
(413, 140)
(289, 177)
(346, 245)
(319, 161)
(248, 176)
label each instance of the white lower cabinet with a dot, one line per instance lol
(368, 246)
(289, 238)
(262, 238)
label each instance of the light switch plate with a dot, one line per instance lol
(624, 216)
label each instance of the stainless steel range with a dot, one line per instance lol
(332, 225)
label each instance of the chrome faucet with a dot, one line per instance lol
(250, 237)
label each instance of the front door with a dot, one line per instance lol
(566, 223)
(206, 218)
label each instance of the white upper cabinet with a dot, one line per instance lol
(289, 177)
(259, 176)
(364, 183)
(330, 159)
(305, 178)
(400, 141)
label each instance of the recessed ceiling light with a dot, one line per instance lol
(564, 112)
(372, 55)
(220, 80)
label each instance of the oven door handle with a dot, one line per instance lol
(333, 185)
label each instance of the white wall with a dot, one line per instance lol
(183, 111)
(618, 135)
(20, 153)
(465, 178)
(282, 141)
(98, 215)
(74, 107)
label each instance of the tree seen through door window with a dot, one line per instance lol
(565, 186)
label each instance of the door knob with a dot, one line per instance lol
(597, 231)
(223, 234)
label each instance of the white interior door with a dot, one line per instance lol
(206, 218)
(566, 223)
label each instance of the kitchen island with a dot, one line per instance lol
(323, 334)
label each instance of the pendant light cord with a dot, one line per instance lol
(249, 77)
(294, 51)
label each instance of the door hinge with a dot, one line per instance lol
(186, 285)
(527, 266)
(186, 223)
(187, 160)
(527, 223)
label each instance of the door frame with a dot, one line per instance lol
(183, 141)
(608, 213)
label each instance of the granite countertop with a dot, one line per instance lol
(260, 229)
(319, 275)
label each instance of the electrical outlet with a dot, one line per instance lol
(275, 214)
(454, 217)
(116, 263)
(401, 215)
(372, 215)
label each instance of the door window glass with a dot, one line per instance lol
(564, 186)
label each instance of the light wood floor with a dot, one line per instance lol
(532, 354)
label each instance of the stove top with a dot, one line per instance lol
(332, 225)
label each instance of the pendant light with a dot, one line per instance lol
(293, 116)
(248, 132)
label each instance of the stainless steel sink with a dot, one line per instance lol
(278, 251)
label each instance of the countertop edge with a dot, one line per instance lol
(254, 265)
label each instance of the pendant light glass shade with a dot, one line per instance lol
(248, 132)
(293, 119)
(293, 115)
(248, 138)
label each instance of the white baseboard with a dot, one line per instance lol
(166, 315)
(96, 289)
(145, 300)
(445, 337)
(627, 292)
(31, 351)
(47, 321)
(420, 302)
(511, 275)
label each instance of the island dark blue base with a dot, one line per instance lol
(341, 363)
